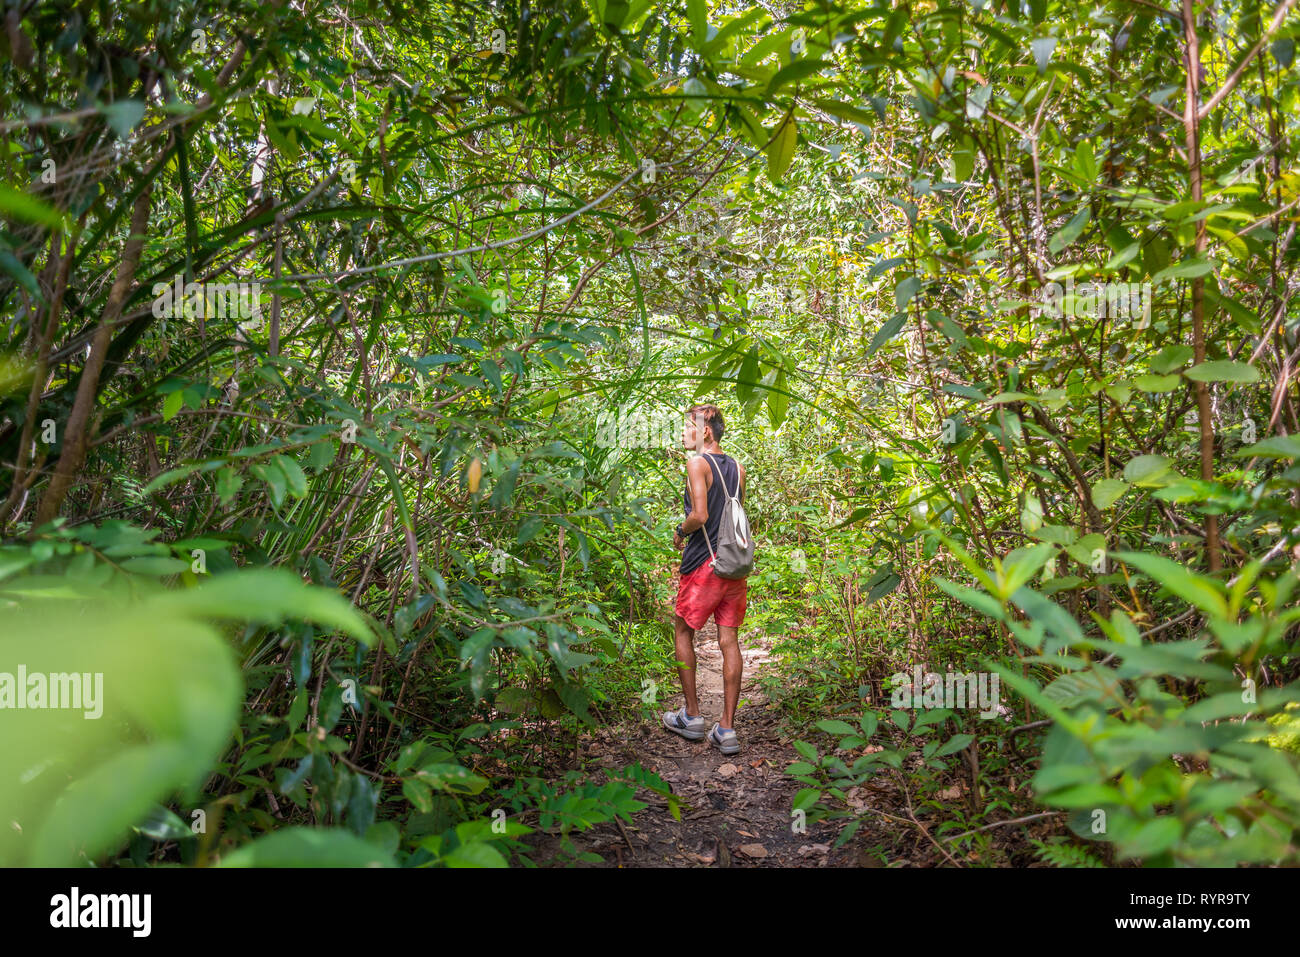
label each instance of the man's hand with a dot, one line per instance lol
(678, 542)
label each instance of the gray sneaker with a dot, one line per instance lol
(724, 741)
(690, 728)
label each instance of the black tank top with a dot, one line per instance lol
(696, 552)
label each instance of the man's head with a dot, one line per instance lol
(703, 425)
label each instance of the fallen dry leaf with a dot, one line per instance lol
(753, 850)
(727, 770)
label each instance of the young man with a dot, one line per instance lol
(702, 594)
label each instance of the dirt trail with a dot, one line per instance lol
(736, 809)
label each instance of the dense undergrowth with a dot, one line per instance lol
(997, 299)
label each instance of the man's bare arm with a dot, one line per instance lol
(697, 476)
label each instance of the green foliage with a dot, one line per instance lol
(1064, 855)
(307, 847)
(147, 698)
(872, 233)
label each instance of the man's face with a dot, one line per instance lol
(693, 434)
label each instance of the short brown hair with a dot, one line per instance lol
(711, 416)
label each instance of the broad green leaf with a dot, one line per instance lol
(805, 798)
(270, 596)
(274, 479)
(11, 265)
(1147, 471)
(308, 847)
(748, 377)
(906, 289)
(1099, 683)
(172, 476)
(980, 601)
(695, 92)
(1274, 447)
(159, 697)
(1184, 269)
(155, 565)
(954, 744)
(1047, 613)
(1122, 257)
(1171, 358)
(793, 73)
(1042, 49)
(1157, 383)
(103, 804)
(16, 204)
(228, 484)
(452, 778)
(295, 478)
(836, 727)
(162, 824)
(123, 116)
(697, 13)
(778, 402)
(1070, 231)
(781, 150)
(1223, 371)
(172, 404)
(1153, 837)
(1106, 492)
(886, 332)
(476, 854)
(1202, 591)
(882, 587)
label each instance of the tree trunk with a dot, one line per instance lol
(1191, 128)
(76, 432)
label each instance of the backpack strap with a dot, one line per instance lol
(705, 527)
(734, 499)
(731, 498)
(721, 479)
(709, 543)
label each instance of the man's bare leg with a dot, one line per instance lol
(729, 642)
(684, 639)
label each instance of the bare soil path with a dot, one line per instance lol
(736, 810)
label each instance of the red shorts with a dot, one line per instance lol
(702, 593)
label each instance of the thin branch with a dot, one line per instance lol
(1228, 84)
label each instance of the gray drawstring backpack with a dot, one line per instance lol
(734, 558)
